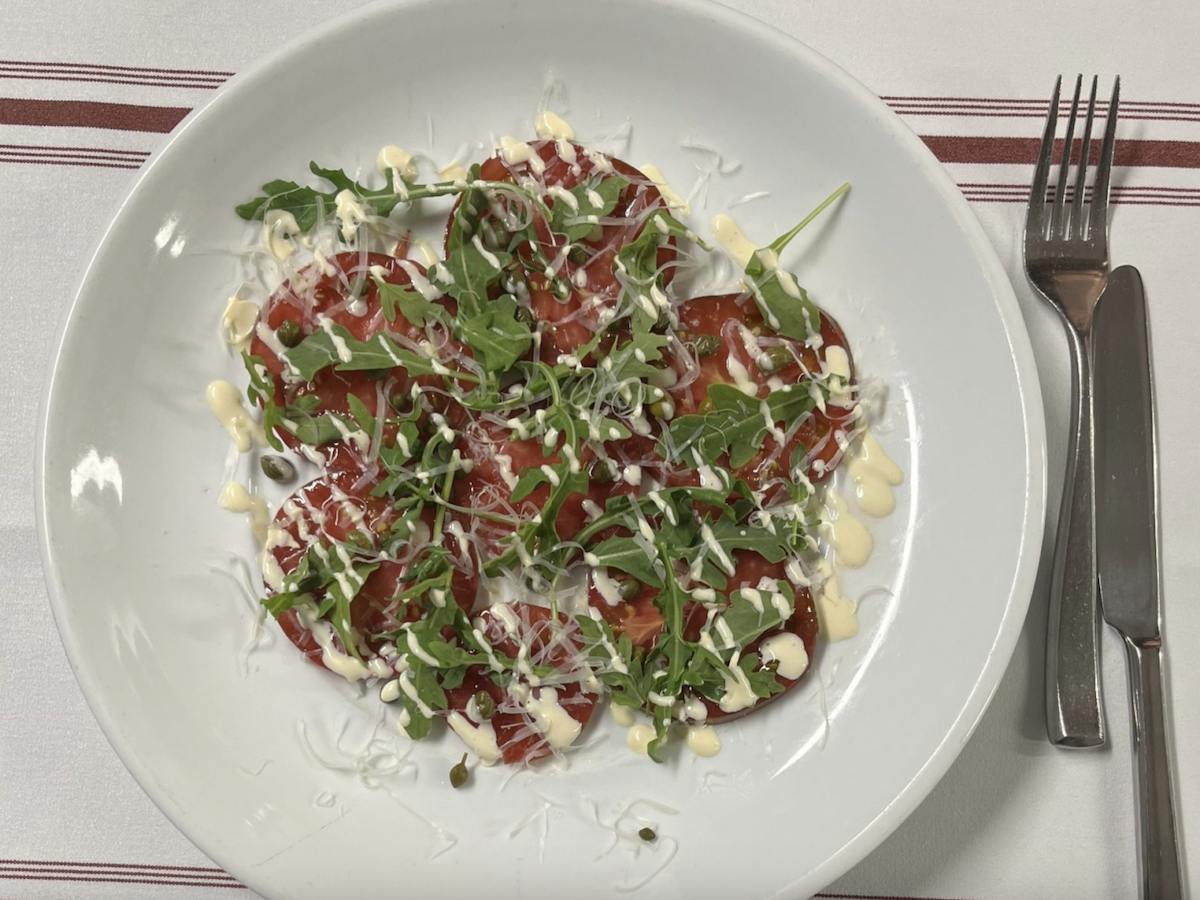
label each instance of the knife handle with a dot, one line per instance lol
(1158, 844)
(1074, 702)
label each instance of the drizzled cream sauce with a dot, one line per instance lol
(873, 474)
(225, 401)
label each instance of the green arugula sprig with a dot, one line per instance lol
(784, 304)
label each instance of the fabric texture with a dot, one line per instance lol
(89, 91)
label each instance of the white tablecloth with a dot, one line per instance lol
(89, 90)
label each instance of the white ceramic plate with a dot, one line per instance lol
(139, 556)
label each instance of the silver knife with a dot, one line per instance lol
(1127, 562)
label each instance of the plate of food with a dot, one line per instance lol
(463, 466)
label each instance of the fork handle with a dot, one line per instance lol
(1161, 872)
(1074, 703)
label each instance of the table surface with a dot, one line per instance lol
(88, 91)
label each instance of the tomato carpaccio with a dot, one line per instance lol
(542, 475)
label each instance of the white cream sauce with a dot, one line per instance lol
(873, 474)
(225, 401)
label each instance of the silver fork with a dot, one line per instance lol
(1066, 259)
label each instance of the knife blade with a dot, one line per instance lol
(1127, 560)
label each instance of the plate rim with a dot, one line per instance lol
(1003, 297)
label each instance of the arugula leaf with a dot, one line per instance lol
(627, 555)
(572, 220)
(261, 390)
(307, 204)
(784, 304)
(496, 336)
(737, 425)
(335, 346)
(409, 303)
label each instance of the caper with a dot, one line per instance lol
(359, 540)
(399, 401)
(277, 468)
(647, 834)
(662, 409)
(577, 254)
(770, 470)
(601, 471)
(775, 358)
(630, 589)
(289, 333)
(359, 287)
(705, 344)
(706, 406)
(562, 289)
(485, 705)
(495, 235)
(459, 773)
(377, 374)
(771, 665)
(525, 316)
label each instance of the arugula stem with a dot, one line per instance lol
(782, 241)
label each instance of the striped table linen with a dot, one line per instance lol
(89, 91)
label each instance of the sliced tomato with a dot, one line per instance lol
(334, 509)
(734, 344)
(344, 291)
(571, 318)
(497, 461)
(529, 721)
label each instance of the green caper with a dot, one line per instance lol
(377, 374)
(277, 468)
(359, 287)
(647, 834)
(562, 289)
(775, 358)
(705, 344)
(525, 316)
(662, 409)
(400, 402)
(359, 540)
(773, 469)
(706, 406)
(289, 333)
(771, 665)
(459, 773)
(630, 589)
(601, 471)
(577, 254)
(485, 705)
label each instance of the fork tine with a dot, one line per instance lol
(1058, 216)
(1035, 215)
(1079, 220)
(1099, 210)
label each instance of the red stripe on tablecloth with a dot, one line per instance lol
(117, 873)
(1023, 151)
(60, 161)
(103, 865)
(139, 154)
(109, 68)
(155, 881)
(90, 114)
(1038, 104)
(205, 85)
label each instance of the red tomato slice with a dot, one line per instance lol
(330, 509)
(737, 322)
(640, 618)
(497, 461)
(344, 292)
(529, 723)
(571, 320)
